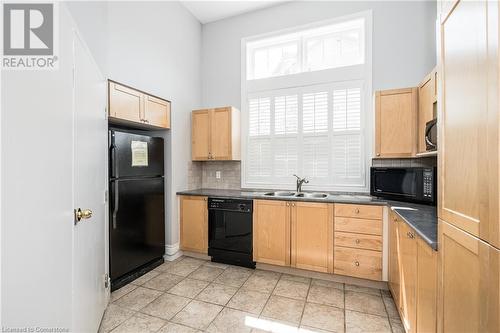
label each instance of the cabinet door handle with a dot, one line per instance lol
(287, 204)
(357, 241)
(356, 210)
(410, 235)
(356, 263)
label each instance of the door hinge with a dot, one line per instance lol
(106, 196)
(107, 281)
(106, 113)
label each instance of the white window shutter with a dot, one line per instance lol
(315, 112)
(286, 110)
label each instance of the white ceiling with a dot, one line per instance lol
(209, 11)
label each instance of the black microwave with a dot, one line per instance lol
(431, 135)
(404, 184)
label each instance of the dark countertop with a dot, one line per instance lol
(422, 218)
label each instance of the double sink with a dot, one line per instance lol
(286, 194)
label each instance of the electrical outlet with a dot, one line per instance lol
(217, 174)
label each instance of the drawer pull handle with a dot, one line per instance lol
(357, 241)
(356, 210)
(356, 263)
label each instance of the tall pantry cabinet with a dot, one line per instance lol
(468, 276)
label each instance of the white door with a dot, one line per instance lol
(90, 179)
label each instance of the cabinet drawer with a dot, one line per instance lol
(358, 241)
(364, 264)
(361, 226)
(359, 211)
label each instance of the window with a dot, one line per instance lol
(330, 46)
(325, 146)
(305, 109)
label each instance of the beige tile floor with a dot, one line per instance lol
(194, 295)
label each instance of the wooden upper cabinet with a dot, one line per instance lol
(271, 232)
(136, 107)
(464, 293)
(312, 236)
(427, 94)
(396, 123)
(125, 103)
(194, 224)
(394, 259)
(157, 112)
(426, 287)
(200, 135)
(468, 132)
(408, 277)
(216, 134)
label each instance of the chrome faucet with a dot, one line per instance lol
(300, 181)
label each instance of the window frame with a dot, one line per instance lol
(300, 81)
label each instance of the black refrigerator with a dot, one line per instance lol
(136, 204)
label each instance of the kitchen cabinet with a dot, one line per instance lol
(292, 233)
(156, 112)
(427, 94)
(358, 241)
(394, 258)
(271, 233)
(396, 123)
(215, 134)
(469, 155)
(312, 236)
(200, 133)
(408, 277)
(463, 294)
(412, 276)
(426, 287)
(134, 107)
(194, 223)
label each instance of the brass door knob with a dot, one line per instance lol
(356, 263)
(82, 214)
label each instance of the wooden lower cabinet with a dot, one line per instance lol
(312, 236)
(365, 264)
(271, 232)
(394, 259)
(412, 277)
(194, 224)
(426, 287)
(408, 277)
(297, 234)
(463, 288)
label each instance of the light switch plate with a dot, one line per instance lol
(217, 174)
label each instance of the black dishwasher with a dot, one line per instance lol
(230, 231)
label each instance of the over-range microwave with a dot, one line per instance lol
(404, 184)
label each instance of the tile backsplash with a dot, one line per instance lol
(230, 174)
(204, 174)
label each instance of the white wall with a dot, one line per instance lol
(403, 42)
(155, 47)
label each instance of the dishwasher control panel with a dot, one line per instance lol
(237, 205)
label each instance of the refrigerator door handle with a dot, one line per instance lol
(116, 202)
(114, 163)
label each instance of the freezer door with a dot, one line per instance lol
(133, 155)
(137, 223)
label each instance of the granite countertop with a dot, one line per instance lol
(422, 218)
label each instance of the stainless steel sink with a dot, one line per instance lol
(280, 194)
(312, 195)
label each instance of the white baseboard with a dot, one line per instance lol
(172, 252)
